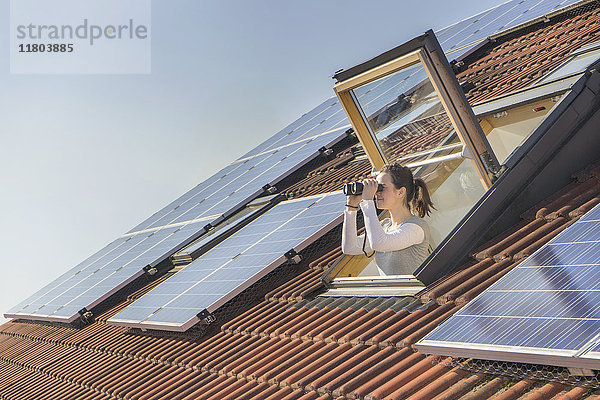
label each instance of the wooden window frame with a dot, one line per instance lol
(426, 50)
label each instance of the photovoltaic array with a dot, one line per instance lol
(545, 311)
(185, 219)
(268, 163)
(233, 265)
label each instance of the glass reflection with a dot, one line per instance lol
(404, 113)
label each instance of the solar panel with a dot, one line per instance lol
(232, 266)
(320, 119)
(270, 162)
(104, 273)
(473, 30)
(545, 311)
(182, 221)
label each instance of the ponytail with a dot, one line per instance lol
(421, 201)
(417, 195)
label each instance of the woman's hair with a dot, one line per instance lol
(417, 195)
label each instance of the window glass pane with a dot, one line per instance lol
(404, 113)
(576, 64)
(455, 188)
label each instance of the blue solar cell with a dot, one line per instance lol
(495, 22)
(556, 303)
(548, 304)
(524, 333)
(551, 278)
(239, 274)
(592, 215)
(539, 9)
(235, 263)
(585, 229)
(565, 254)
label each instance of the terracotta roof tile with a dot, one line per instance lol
(545, 392)
(573, 394)
(355, 367)
(451, 385)
(191, 385)
(265, 393)
(237, 392)
(305, 377)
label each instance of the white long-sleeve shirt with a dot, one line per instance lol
(399, 251)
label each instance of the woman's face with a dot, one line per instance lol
(389, 197)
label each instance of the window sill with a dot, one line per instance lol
(392, 285)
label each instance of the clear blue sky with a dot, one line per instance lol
(84, 158)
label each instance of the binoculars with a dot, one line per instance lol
(355, 188)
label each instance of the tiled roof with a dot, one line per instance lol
(295, 345)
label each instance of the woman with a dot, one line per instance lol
(401, 242)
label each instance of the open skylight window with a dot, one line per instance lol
(411, 92)
(406, 105)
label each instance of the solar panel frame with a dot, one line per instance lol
(242, 259)
(546, 310)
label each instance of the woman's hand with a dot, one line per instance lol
(352, 201)
(370, 188)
